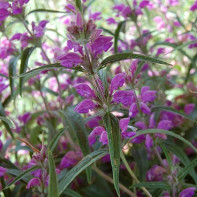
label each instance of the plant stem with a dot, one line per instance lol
(109, 179)
(132, 174)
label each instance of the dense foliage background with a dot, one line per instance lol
(98, 98)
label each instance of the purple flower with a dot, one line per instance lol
(17, 6)
(111, 21)
(39, 30)
(25, 118)
(144, 3)
(148, 141)
(155, 173)
(96, 16)
(102, 43)
(84, 90)
(165, 124)
(70, 60)
(103, 138)
(194, 6)
(6, 48)
(188, 192)
(96, 132)
(189, 108)
(84, 106)
(33, 182)
(2, 171)
(4, 13)
(147, 95)
(124, 97)
(117, 82)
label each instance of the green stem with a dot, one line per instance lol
(132, 174)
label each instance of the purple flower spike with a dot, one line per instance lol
(117, 82)
(84, 90)
(84, 106)
(70, 60)
(124, 97)
(2, 171)
(189, 192)
(33, 182)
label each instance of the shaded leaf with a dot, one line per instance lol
(152, 185)
(82, 165)
(111, 124)
(24, 64)
(8, 121)
(53, 184)
(124, 56)
(21, 175)
(45, 10)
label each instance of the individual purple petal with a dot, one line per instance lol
(152, 122)
(194, 6)
(124, 97)
(2, 171)
(188, 192)
(144, 3)
(145, 109)
(133, 110)
(189, 108)
(43, 23)
(103, 138)
(117, 82)
(91, 139)
(123, 124)
(25, 117)
(111, 21)
(97, 131)
(84, 106)
(84, 90)
(165, 124)
(147, 95)
(155, 173)
(70, 60)
(148, 141)
(33, 182)
(140, 125)
(127, 134)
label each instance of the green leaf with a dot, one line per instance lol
(147, 131)
(6, 125)
(187, 169)
(82, 165)
(71, 193)
(53, 184)
(179, 152)
(21, 175)
(152, 185)
(79, 5)
(168, 158)
(36, 71)
(8, 121)
(124, 56)
(55, 140)
(111, 124)
(24, 64)
(116, 35)
(12, 72)
(75, 124)
(156, 108)
(45, 10)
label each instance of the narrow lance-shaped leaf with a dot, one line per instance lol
(23, 174)
(6, 125)
(12, 72)
(82, 165)
(147, 131)
(24, 64)
(79, 5)
(152, 185)
(156, 108)
(55, 140)
(124, 56)
(45, 10)
(53, 184)
(116, 35)
(75, 124)
(113, 133)
(8, 121)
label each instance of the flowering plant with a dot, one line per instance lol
(98, 98)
